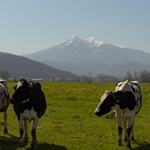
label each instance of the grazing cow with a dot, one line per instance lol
(127, 102)
(29, 104)
(4, 101)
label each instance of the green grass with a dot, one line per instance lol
(70, 124)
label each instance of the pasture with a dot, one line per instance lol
(70, 124)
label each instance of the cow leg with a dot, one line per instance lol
(33, 132)
(125, 128)
(21, 141)
(26, 131)
(129, 130)
(118, 116)
(132, 133)
(5, 121)
(120, 138)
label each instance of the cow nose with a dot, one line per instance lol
(97, 113)
(11, 100)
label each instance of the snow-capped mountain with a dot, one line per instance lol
(88, 41)
(76, 50)
(93, 42)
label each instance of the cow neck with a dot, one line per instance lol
(28, 99)
(25, 101)
(120, 99)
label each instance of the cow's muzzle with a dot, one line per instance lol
(97, 113)
(11, 100)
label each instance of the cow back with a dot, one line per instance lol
(134, 88)
(38, 99)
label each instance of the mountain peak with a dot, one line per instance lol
(90, 41)
(93, 41)
(74, 37)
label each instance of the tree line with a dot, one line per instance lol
(4, 74)
(142, 76)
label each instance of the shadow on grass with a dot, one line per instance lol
(47, 146)
(142, 146)
(8, 142)
(11, 142)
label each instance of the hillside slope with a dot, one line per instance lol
(19, 66)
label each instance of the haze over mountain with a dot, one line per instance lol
(82, 55)
(19, 66)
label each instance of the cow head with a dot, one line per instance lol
(3, 82)
(22, 92)
(108, 102)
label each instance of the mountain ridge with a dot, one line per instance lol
(19, 66)
(77, 49)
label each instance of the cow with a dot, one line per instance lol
(4, 101)
(29, 104)
(126, 101)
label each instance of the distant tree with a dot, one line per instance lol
(135, 75)
(142, 76)
(4, 74)
(87, 78)
(129, 75)
(101, 77)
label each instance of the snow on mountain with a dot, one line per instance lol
(77, 49)
(88, 41)
(93, 42)
(77, 41)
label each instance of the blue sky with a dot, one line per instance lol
(31, 25)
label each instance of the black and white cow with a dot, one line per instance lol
(29, 104)
(4, 101)
(127, 102)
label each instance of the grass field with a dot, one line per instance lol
(70, 124)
